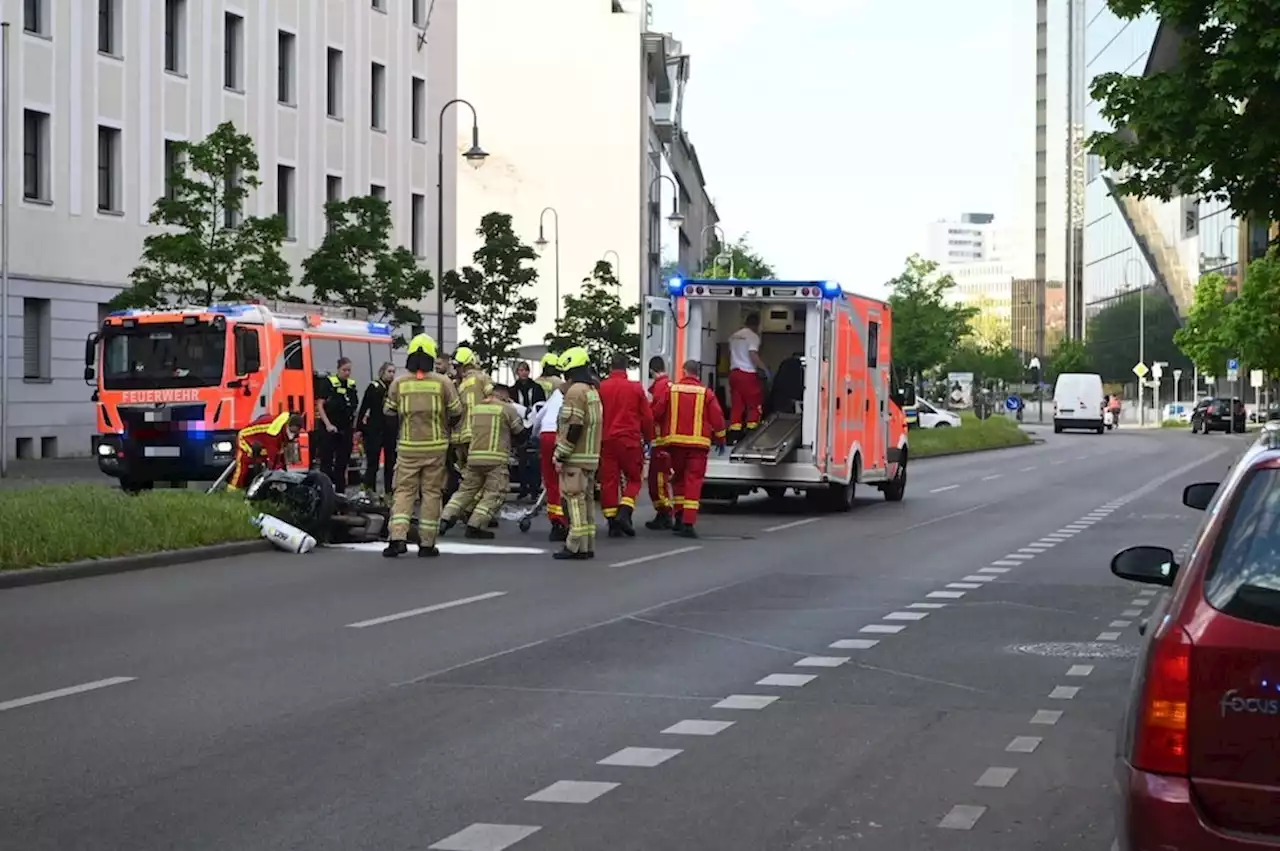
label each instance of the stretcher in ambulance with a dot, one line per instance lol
(842, 424)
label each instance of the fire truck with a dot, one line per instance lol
(173, 387)
(842, 424)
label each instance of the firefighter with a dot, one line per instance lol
(659, 458)
(627, 426)
(428, 406)
(550, 379)
(692, 420)
(546, 425)
(577, 452)
(264, 441)
(495, 426)
(378, 429)
(339, 400)
(473, 386)
(746, 391)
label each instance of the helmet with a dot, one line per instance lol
(551, 359)
(464, 356)
(574, 358)
(423, 343)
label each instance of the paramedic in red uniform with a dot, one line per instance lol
(628, 425)
(659, 458)
(692, 420)
(263, 441)
(746, 393)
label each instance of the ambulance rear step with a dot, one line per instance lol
(771, 443)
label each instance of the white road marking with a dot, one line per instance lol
(822, 661)
(788, 680)
(485, 837)
(1026, 469)
(745, 701)
(1023, 744)
(947, 488)
(1033, 549)
(64, 692)
(1064, 692)
(1147, 592)
(1059, 537)
(1131, 613)
(927, 606)
(1139, 601)
(678, 551)
(996, 778)
(996, 570)
(967, 586)
(992, 478)
(1079, 670)
(905, 616)
(1005, 562)
(1047, 717)
(962, 817)
(882, 629)
(1063, 461)
(854, 644)
(1120, 624)
(573, 791)
(438, 607)
(793, 524)
(945, 595)
(977, 577)
(1047, 544)
(1018, 557)
(640, 757)
(453, 548)
(1107, 636)
(694, 727)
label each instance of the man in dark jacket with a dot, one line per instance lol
(380, 431)
(528, 393)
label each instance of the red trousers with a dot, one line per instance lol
(621, 474)
(660, 480)
(746, 399)
(688, 469)
(550, 478)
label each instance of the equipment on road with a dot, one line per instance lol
(308, 501)
(283, 536)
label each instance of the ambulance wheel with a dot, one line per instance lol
(775, 493)
(895, 490)
(841, 497)
(525, 524)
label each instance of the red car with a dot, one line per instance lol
(1198, 751)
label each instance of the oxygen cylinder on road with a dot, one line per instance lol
(284, 536)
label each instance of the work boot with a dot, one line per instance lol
(559, 533)
(479, 534)
(677, 525)
(395, 548)
(660, 523)
(686, 531)
(446, 525)
(428, 552)
(624, 521)
(493, 524)
(566, 555)
(615, 529)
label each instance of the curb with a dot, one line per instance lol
(126, 564)
(1034, 442)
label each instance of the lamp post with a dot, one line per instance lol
(725, 255)
(1142, 339)
(541, 243)
(617, 260)
(476, 156)
(675, 219)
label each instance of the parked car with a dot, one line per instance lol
(935, 417)
(1198, 750)
(1211, 415)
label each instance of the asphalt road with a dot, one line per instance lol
(943, 673)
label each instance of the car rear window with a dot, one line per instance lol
(1244, 576)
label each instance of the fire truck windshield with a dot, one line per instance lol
(162, 355)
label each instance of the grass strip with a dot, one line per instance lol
(56, 524)
(973, 435)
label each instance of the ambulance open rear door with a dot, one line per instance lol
(658, 336)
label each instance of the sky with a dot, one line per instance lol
(831, 132)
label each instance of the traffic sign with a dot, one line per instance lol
(1011, 404)
(1140, 370)
(1233, 364)
(1255, 378)
(1157, 370)
(1232, 373)
(1177, 375)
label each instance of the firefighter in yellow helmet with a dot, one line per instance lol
(577, 452)
(427, 405)
(473, 387)
(550, 380)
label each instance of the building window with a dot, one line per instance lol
(34, 17)
(172, 167)
(35, 155)
(287, 63)
(418, 109)
(378, 191)
(109, 200)
(109, 27)
(231, 212)
(417, 223)
(37, 325)
(419, 13)
(378, 5)
(175, 43)
(285, 201)
(333, 83)
(332, 193)
(378, 96)
(233, 52)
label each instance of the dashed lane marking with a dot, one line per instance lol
(994, 569)
(1026, 469)
(793, 524)
(1079, 670)
(695, 727)
(1139, 601)
(1107, 636)
(962, 817)
(1033, 549)
(977, 577)
(640, 757)
(945, 595)
(1047, 717)
(679, 551)
(996, 778)
(882, 629)
(1023, 744)
(1018, 557)
(1005, 562)
(927, 606)
(19, 702)
(1120, 624)
(822, 661)
(573, 791)
(1131, 613)
(426, 610)
(1147, 592)
(854, 644)
(965, 586)
(745, 701)
(485, 837)
(942, 489)
(1064, 692)
(905, 616)
(788, 680)
(993, 478)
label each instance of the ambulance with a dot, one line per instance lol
(173, 387)
(840, 426)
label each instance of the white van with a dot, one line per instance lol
(1077, 402)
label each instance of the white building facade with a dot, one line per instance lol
(335, 93)
(974, 238)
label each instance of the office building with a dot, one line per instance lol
(974, 238)
(335, 94)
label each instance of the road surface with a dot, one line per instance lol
(944, 673)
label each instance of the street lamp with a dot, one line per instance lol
(616, 265)
(475, 155)
(676, 219)
(725, 256)
(1142, 337)
(541, 243)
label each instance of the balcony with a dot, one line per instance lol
(664, 121)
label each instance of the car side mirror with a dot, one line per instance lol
(1149, 565)
(1198, 496)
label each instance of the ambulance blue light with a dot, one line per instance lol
(129, 312)
(675, 286)
(831, 288)
(229, 309)
(382, 329)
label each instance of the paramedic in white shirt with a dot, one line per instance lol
(545, 425)
(746, 378)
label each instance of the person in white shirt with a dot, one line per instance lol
(746, 382)
(545, 426)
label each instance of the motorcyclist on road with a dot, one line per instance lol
(264, 442)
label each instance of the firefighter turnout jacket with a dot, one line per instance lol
(690, 415)
(262, 441)
(472, 390)
(493, 425)
(426, 403)
(628, 418)
(578, 427)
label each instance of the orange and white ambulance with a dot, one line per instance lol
(173, 387)
(843, 427)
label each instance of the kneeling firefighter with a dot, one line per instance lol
(577, 452)
(264, 442)
(495, 427)
(428, 406)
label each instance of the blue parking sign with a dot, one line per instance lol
(1233, 364)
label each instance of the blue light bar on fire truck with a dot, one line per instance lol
(736, 288)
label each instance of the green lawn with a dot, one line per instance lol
(973, 435)
(54, 524)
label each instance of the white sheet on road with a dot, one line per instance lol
(446, 547)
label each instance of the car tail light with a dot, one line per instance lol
(1160, 744)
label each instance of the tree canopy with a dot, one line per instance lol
(1112, 338)
(927, 328)
(747, 263)
(1251, 320)
(597, 319)
(1205, 336)
(1067, 356)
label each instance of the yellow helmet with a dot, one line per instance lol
(574, 358)
(551, 359)
(423, 343)
(464, 356)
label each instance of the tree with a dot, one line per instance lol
(1112, 338)
(1205, 337)
(1068, 356)
(1207, 126)
(355, 265)
(926, 328)
(209, 251)
(1251, 322)
(995, 364)
(988, 329)
(746, 264)
(491, 297)
(597, 319)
